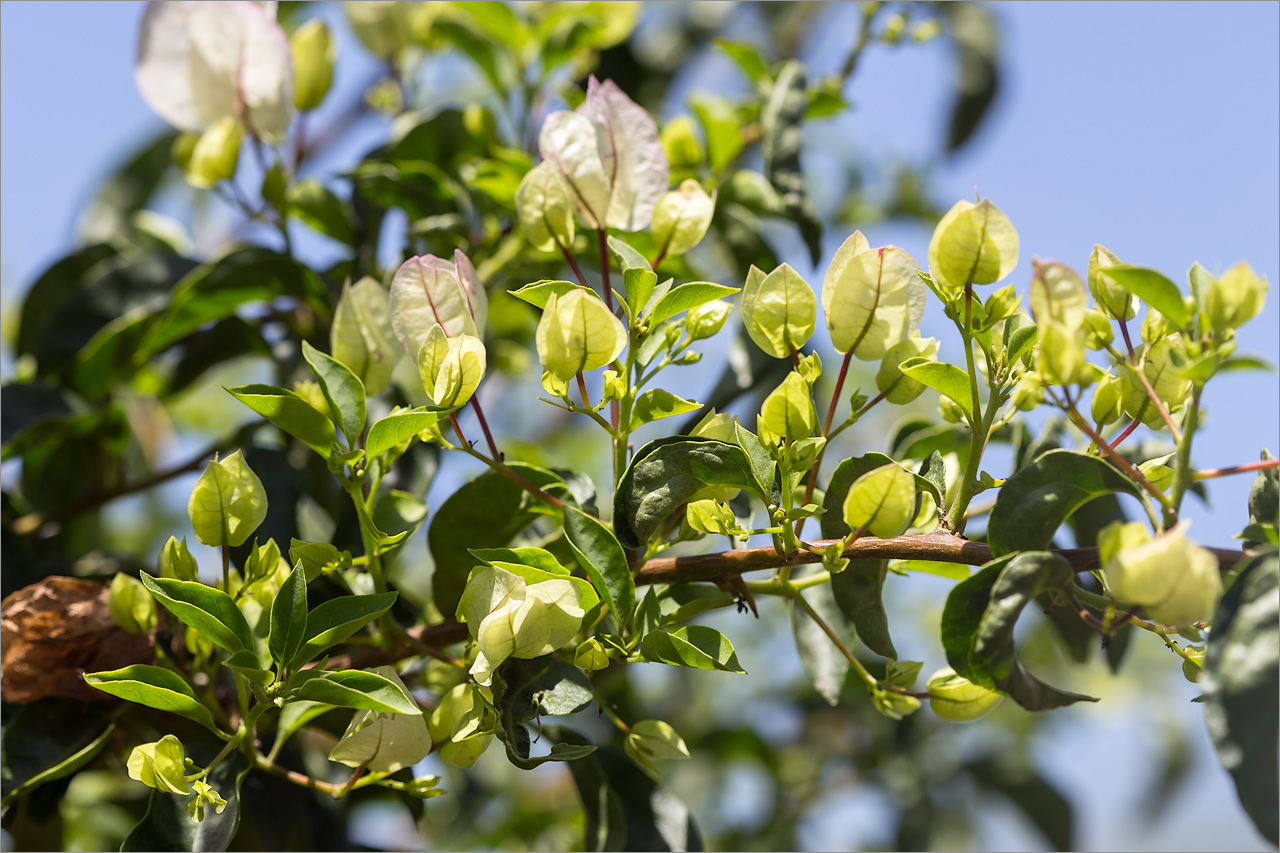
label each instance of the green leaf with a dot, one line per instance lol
(538, 558)
(294, 715)
(526, 689)
(1020, 341)
(401, 427)
(694, 646)
(248, 664)
(825, 664)
(354, 688)
(318, 557)
(291, 413)
(1241, 679)
(857, 592)
(316, 206)
(947, 379)
(782, 138)
(668, 472)
(167, 824)
(1154, 289)
(978, 622)
(658, 403)
(1264, 506)
(747, 57)
(605, 824)
(154, 687)
(486, 512)
(1039, 497)
(289, 617)
(342, 388)
(721, 127)
(49, 739)
(687, 296)
(210, 611)
(954, 571)
(539, 293)
(334, 620)
(848, 471)
(637, 276)
(762, 463)
(602, 558)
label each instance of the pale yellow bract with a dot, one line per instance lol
(882, 500)
(228, 502)
(544, 207)
(383, 742)
(1174, 579)
(577, 332)
(779, 310)
(508, 617)
(957, 699)
(972, 243)
(362, 337)
(872, 298)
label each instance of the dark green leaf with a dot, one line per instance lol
(342, 388)
(668, 472)
(334, 620)
(1038, 498)
(168, 826)
(1241, 681)
(49, 739)
(486, 512)
(1036, 797)
(1264, 501)
(154, 687)
(316, 206)
(526, 689)
(1154, 289)
(857, 592)
(291, 413)
(602, 558)
(687, 296)
(977, 78)
(782, 139)
(825, 664)
(695, 646)
(354, 688)
(210, 611)
(289, 617)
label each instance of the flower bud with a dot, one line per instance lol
(681, 218)
(383, 742)
(897, 387)
(130, 605)
(451, 368)
(872, 298)
(510, 618)
(362, 337)
(428, 291)
(1108, 400)
(1028, 394)
(956, 699)
(216, 154)
(1175, 580)
(1098, 331)
(544, 207)
(205, 795)
(949, 411)
(462, 725)
(176, 561)
(591, 655)
(160, 765)
(707, 319)
(314, 52)
(882, 500)
(576, 333)
(1059, 304)
(1235, 299)
(1168, 383)
(650, 740)
(972, 243)
(615, 387)
(711, 517)
(788, 411)
(1113, 300)
(778, 310)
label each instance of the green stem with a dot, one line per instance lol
(844, 650)
(1182, 473)
(246, 726)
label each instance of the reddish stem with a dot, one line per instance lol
(1260, 465)
(1127, 432)
(484, 425)
(604, 266)
(1124, 332)
(582, 389)
(573, 264)
(835, 396)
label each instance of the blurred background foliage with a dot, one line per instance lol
(118, 354)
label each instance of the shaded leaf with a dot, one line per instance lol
(334, 620)
(289, 617)
(857, 592)
(342, 389)
(602, 558)
(694, 646)
(782, 139)
(167, 824)
(825, 664)
(48, 740)
(210, 611)
(354, 688)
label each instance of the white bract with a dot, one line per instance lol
(427, 291)
(972, 243)
(1174, 579)
(451, 368)
(508, 617)
(383, 742)
(872, 298)
(610, 156)
(577, 332)
(199, 62)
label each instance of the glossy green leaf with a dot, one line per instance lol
(857, 592)
(947, 379)
(291, 413)
(210, 611)
(334, 620)
(1154, 289)
(342, 388)
(400, 427)
(49, 739)
(687, 296)
(658, 403)
(289, 617)
(638, 277)
(602, 558)
(694, 646)
(1038, 498)
(1241, 679)
(668, 472)
(154, 687)
(825, 664)
(354, 688)
(539, 293)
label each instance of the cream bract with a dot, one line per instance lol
(428, 290)
(778, 310)
(578, 332)
(1175, 580)
(972, 243)
(872, 298)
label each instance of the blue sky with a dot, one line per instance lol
(1151, 128)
